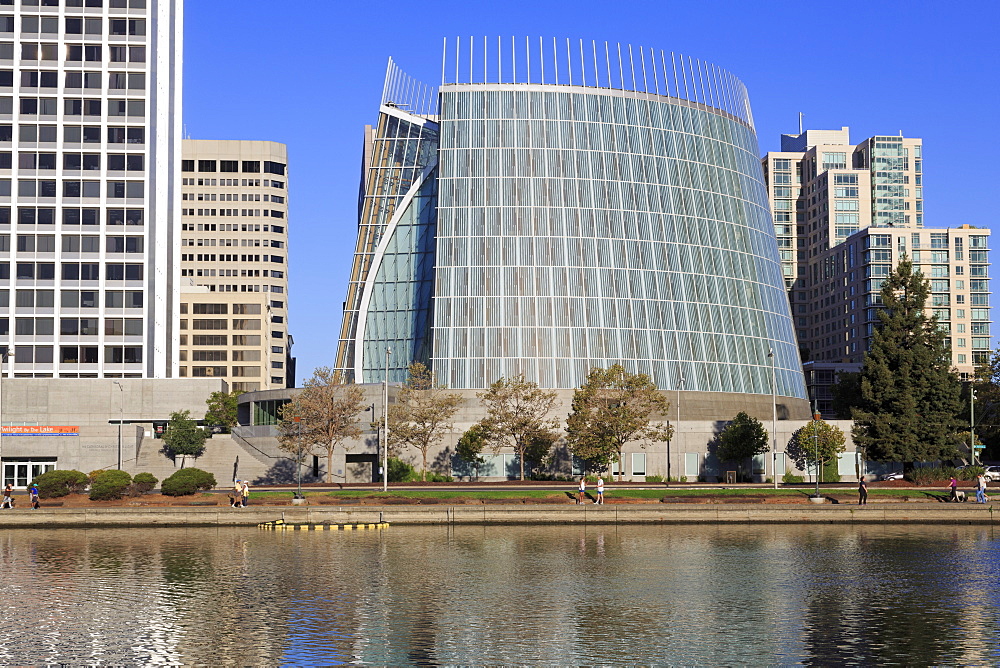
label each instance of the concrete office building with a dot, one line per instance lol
(90, 102)
(550, 208)
(234, 264)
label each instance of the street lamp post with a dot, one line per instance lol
(677, 426)
(298, 459)
(3, 358)
(385, 423)
(121, 418)
(818, 471)
(774, 420)
(972, 421)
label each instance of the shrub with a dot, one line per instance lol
(110, 485)
(143, 483)
(400, 471)
(58, 483)
(439, 477)
(791, 478)
(92, 476)
(831, 471)
(971, 472)
(186, 482)
(654, 478)
(926, 475)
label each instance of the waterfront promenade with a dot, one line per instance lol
(506, 514)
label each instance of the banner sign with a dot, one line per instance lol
(39, 430)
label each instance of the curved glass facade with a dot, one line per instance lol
(581, 226)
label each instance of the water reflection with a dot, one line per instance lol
(511, 595)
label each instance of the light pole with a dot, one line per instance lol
(972, 421)
(121, 418)
(816, 417)
(774, 420)
(385, 423)
(3, 358)
(677, 426)
(298, 460)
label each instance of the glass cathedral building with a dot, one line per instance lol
(554, 207)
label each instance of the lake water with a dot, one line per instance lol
(502, 595)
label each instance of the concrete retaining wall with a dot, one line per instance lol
(884, 513)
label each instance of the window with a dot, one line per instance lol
(638, 463)
(834, 161)
(274, 168)
(206, 165)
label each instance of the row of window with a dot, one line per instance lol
(46, 243)
(73, 298)
(73, 271)
(73, 134)
(49, 106)
(219, 324)
(76, 354)
(234, 243)
(231, 197)
(49, 25)
(245, 273)
(77, 326)
(242, 287)
(266, 213)
(222, 339)
(230, 227)
(222, 309)
(47, 188)
(214, 257)
(86, 162)
(246, 166)
(113, 4)
(251, 183)
(30, 215)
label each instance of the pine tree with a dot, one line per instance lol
(910, 399)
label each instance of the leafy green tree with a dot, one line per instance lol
(742, 439)
(327, 409)
(222, 409)
(422, 413)
(516, 410)
(470, 446)
(183, 436)
(846, 392)
(612, 408)
(821, 435)
(909, 404)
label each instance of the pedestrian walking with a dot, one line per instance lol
(245, 492)
(600, 491)
(8, 498)
(237, 496)
(862, 492)
(581, 495)
(954, 490)
(980, 489)
(33, 491)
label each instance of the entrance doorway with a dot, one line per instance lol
(20, 472)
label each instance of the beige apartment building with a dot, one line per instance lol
(234, 264)
(844, 216)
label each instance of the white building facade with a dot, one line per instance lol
(90, 107)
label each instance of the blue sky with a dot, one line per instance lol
(310, 74)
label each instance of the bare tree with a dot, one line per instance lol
(327, 409)
(516, 411)
(422, 413)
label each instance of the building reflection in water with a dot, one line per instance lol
(555, 595)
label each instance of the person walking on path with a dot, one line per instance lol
(980, 489)
(862, 492)
(581, 495)
(8, 500)
(245, 492)
(237, 496)
(600, 491)
(33, 491)
(954, 490)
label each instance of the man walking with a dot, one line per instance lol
(581, 495)
(980, 489)
(862, 492)
(33, 491)
(246, 492)
(8, 499)
(600, 491)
